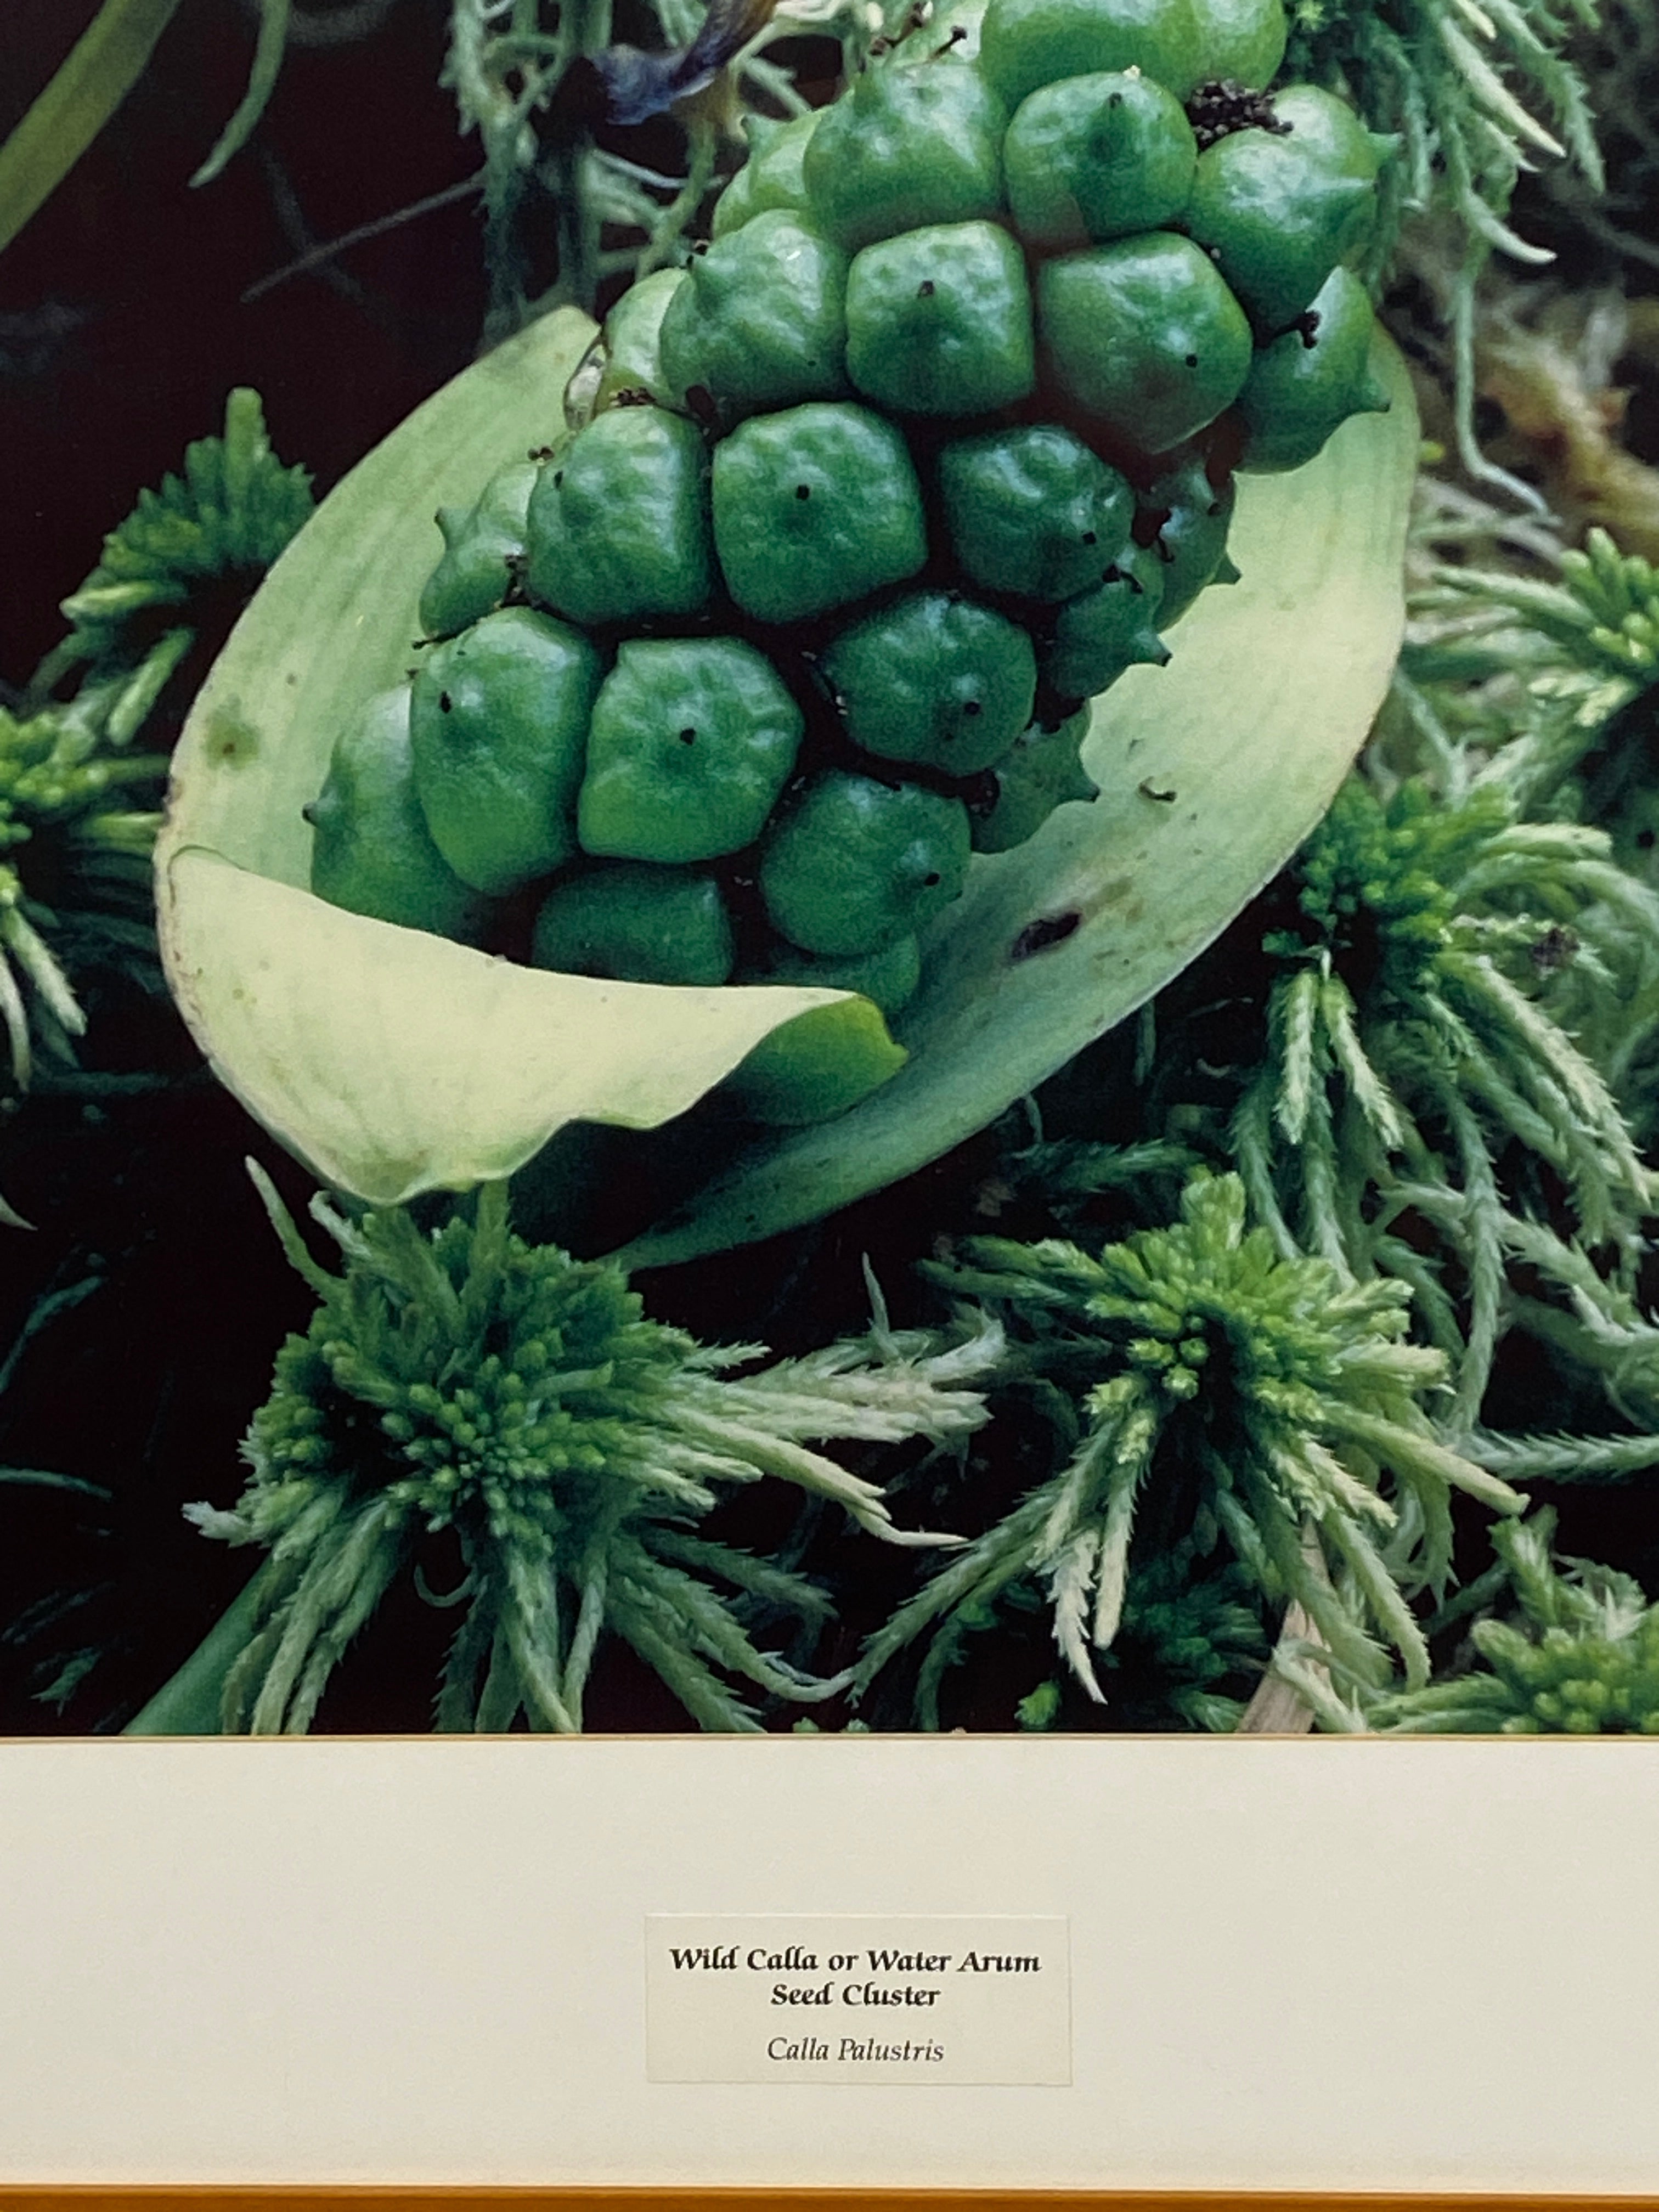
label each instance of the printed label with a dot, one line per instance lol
(925, 2001)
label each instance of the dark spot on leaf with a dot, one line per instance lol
(925, 290)
(803, 491)
(687, 736)
(1038, 936)
(1164, 793)
(445, 703)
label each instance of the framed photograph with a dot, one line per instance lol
(829, 969)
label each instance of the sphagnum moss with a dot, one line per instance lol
(1412, 1037)
(1281, 1395)
(468, 1381)
(1578, 1656)
(78, 800)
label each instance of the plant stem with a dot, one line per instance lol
(188, 1704)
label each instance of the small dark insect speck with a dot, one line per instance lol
(687, 736)
(1192, 361)
(972, 707)
(803, 491)
(445, 703)
(925, 290)
(1038, 936)
(1090, 537)
(929, 880)
(1553, 949)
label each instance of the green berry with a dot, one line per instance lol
(888, 977)
(760, 321)
(853, 863)
(632, 342)
(1030, 509)
(813, 508)
(1277, 209)
(1194, 515)
(771, 177)
(372, 852)
(938, 321)
(1303, 384)
(1024, 44)
(934, 680)
(1041, 772)
(639, 924)
(618, 523)
(1329, 131)
(498, 726)
(1100, 634)
(1145, 334)
(1242, 40)
(692, 741)
(1097, 158)
(906, 147)
(482, 544)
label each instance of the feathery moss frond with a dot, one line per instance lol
(228, 515)
(468, 1382)
(1578, 1657)
(1276, 1395)
(1447, 968)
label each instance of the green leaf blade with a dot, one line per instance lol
(101, 69)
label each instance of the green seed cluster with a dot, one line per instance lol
(930, 445)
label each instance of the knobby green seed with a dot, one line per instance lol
(692, 741)
(813, 508)
(935, 680)
(637, 923)
(618, 528)
(498, 726)
(854, 864)
(938, 321)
